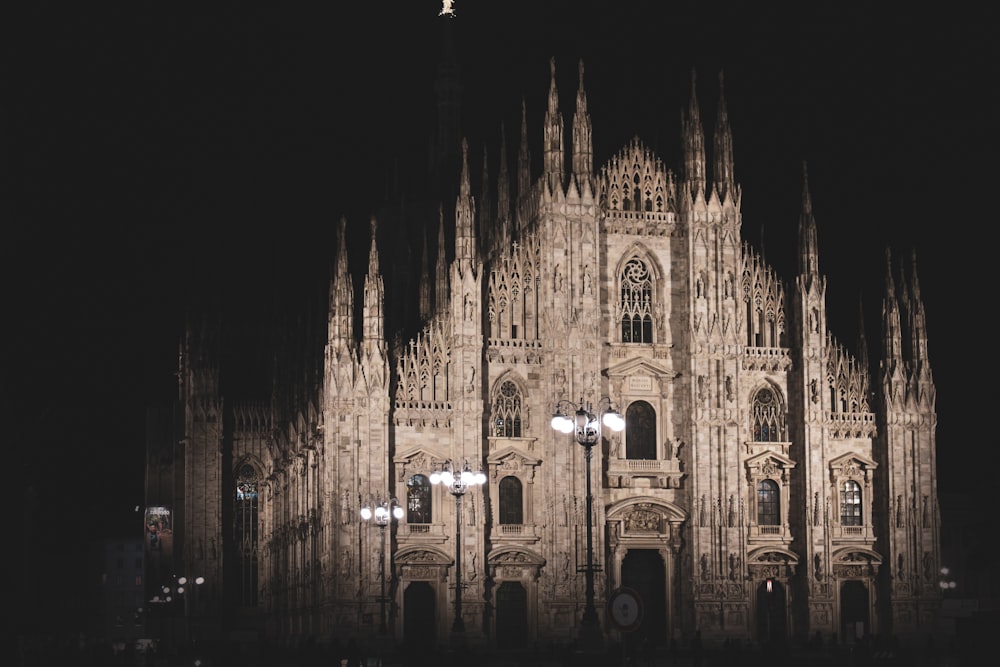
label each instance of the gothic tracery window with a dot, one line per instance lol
(507, 411)
(766, 417)
(245, 533)
(636, 302)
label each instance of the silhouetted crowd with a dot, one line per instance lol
(872, 651)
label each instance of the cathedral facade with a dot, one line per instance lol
(770, 482)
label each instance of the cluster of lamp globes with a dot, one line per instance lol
(181, 583)
(458, 484)
(586, 424)
(381, 512)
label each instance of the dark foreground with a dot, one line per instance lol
(857, 655)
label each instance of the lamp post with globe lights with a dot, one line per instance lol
(458, 483)
(585, 424)
(186, 587)
(946, 582)
(382, 512)
(182, 589)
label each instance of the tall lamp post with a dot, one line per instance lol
(457, 484)
(182, 589)
(580, 419)
(382, 512)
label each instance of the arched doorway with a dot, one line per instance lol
(644, 571)
(853, 610)
(512, 616)
(419, 614)
(771, 612)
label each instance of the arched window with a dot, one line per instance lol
(768, 503)
(418, 499)
(245, 533)
(511, 501)
(850, 504)
(636, 302)
(640, 431)
(766, 416)
(507, 411)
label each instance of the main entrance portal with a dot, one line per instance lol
(419, 614)
(644, 571)
(854, 610)
(512, 616)
(771, 612)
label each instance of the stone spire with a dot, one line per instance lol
(583, 145)
(693, 145)
(723, 173)
(554, 155)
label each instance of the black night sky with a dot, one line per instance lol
(155, 154)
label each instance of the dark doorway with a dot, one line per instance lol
(854, 610)
(644, 571)
(771, 612)
(512, 616)
(419, 614)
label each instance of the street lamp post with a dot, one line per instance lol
(382, 511)
(457, 484)
(586, 427)
(182, 589)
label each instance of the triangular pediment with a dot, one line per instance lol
(855, 458)
(760, 459)
(510, 453)
(640, 366)
(417, 458)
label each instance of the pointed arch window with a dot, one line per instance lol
(768, 503)
(850, 504)
(245, 533)
(511, 501)
(636, 302)
(507, 411)
(418, 499)
(640, 431)
(766, 416)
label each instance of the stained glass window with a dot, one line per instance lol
(850, 504)
(768, 505)
(418, 499)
